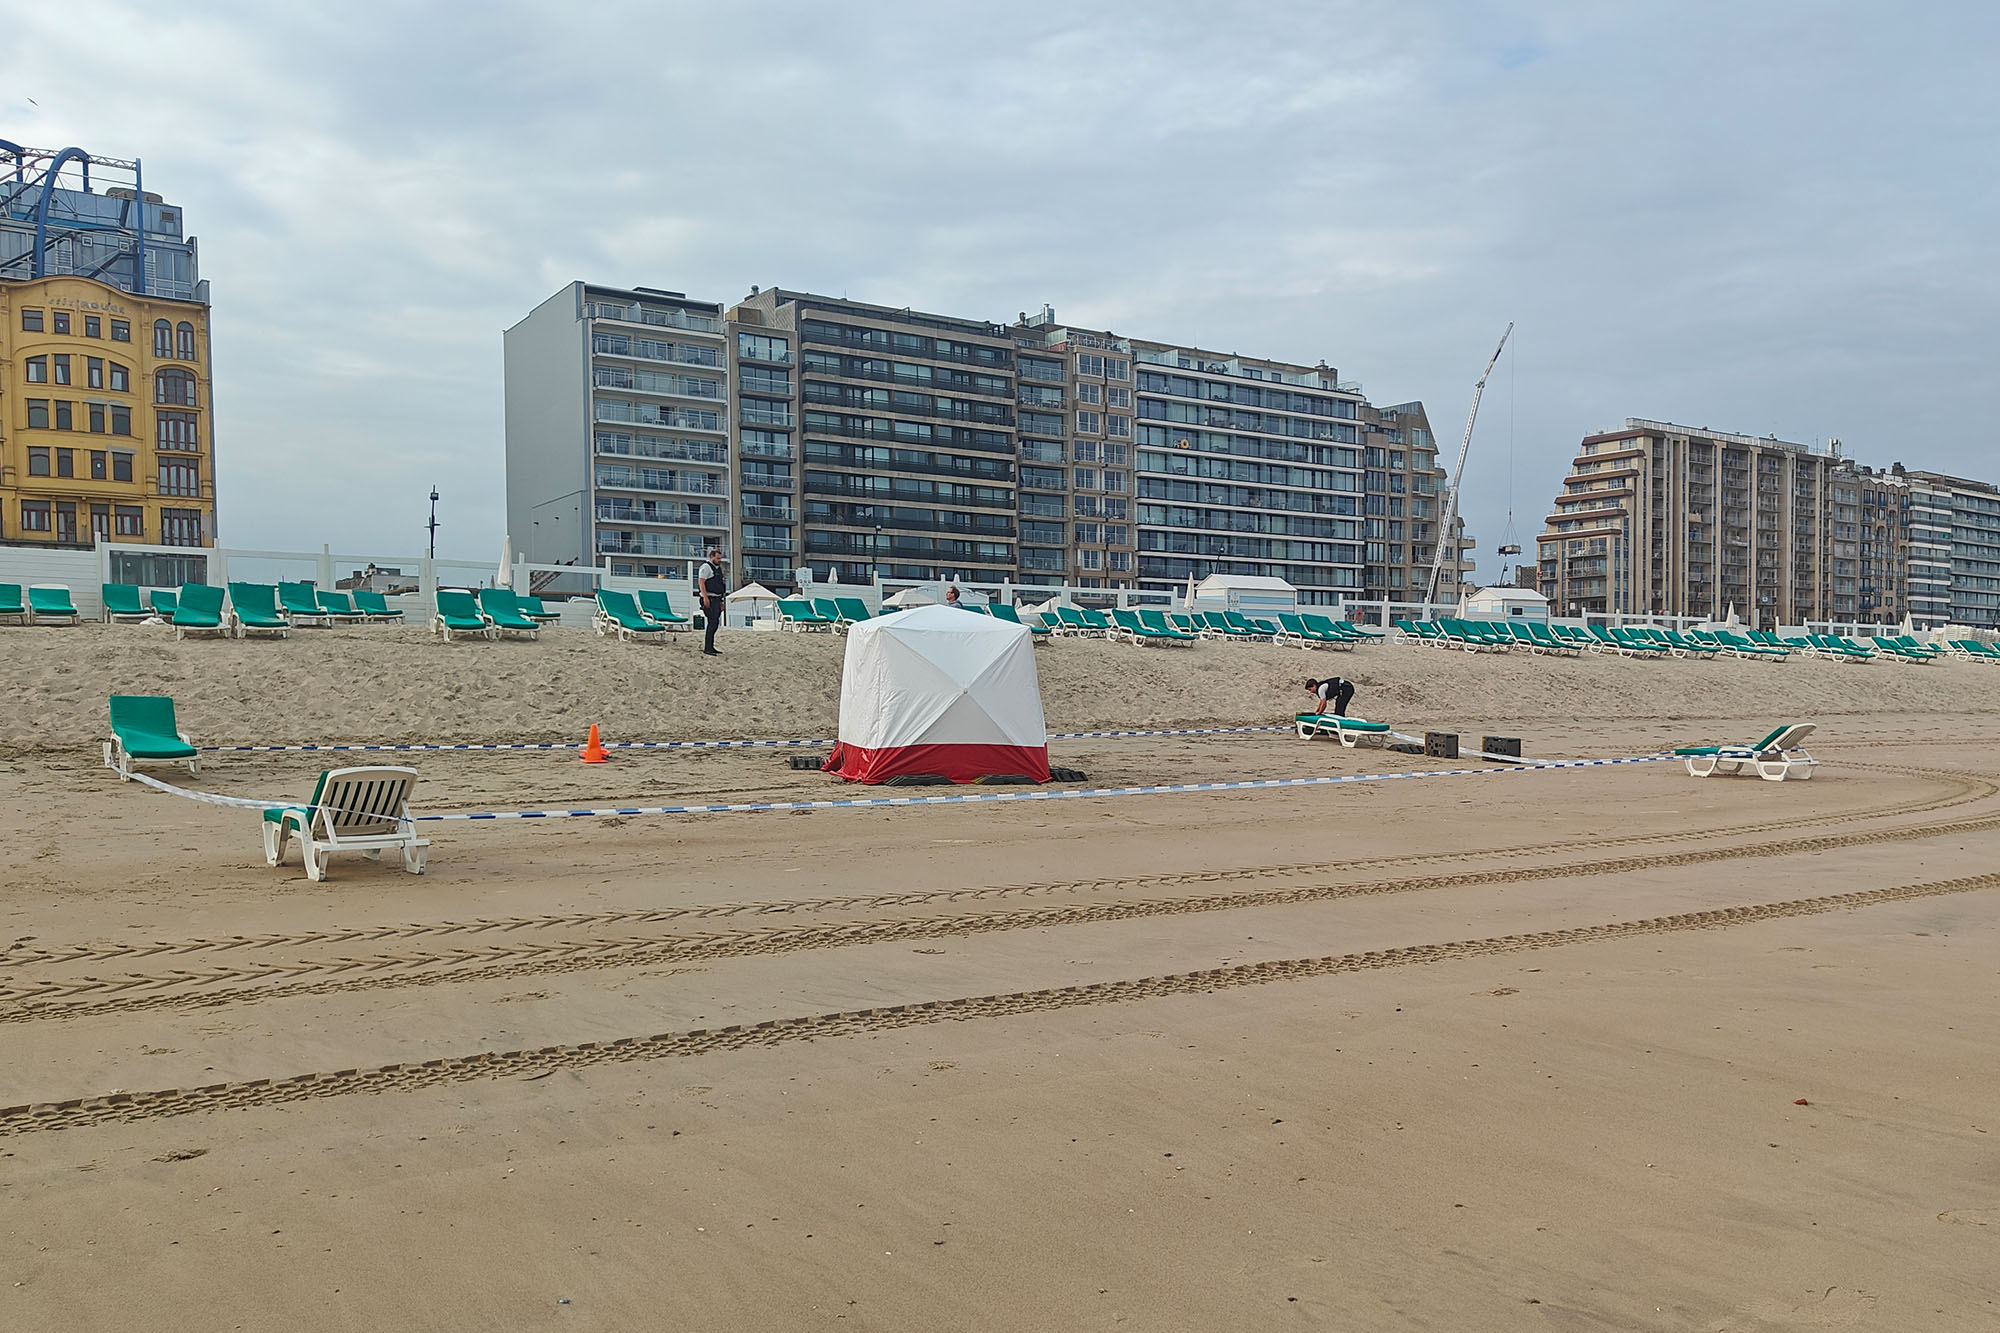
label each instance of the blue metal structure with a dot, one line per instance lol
(49, 183)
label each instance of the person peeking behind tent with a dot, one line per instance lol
(1334, 692)
(951, 596)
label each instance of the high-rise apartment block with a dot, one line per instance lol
(865, 440)
(106, 420)
(1673, 520)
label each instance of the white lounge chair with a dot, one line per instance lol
(1349, 731)
(363, 810)
(1775, 758)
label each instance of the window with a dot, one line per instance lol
(129, 521)
(93, 374)
(163, 338)
(1120, 561)
(180, 527)
(759, 347)
(60, 322)
(38, 462)
(35, 516)
(1089, 423)
(65, 415)
(1086, 478)
(1118, 398)
(38, 369)
(31, 321)
(93, 327)
(176, 386)
(1117, 368)
(121, 467)
(1086, 364)
(100, 521)
(65, 462)
(1089, 393)
(97, 418)
(61, 364)
(38, 413)
(179, 477)
(100, 465)
(1088, 559)
(184, 342)
(1121, 425)
(121, 379)
(177, 431)
(1115, 534)
(121, 420)
(121, 331)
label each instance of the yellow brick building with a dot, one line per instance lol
(105, 417)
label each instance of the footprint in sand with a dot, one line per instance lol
(1970, 1217)
(1836, 1307)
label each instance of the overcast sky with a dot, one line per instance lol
(1769, 217)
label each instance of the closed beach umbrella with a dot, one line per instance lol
(933, 690)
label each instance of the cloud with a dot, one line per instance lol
(1760, 218)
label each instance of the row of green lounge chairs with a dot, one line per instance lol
(48, 604)
(645, 616)
(490, 613)
(1490, 636)
(822, 614)
(1149, 625)
(250, 608)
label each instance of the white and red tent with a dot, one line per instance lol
(940, 690)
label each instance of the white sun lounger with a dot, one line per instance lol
(363, 810)
(1777, 757)
(1349, 731)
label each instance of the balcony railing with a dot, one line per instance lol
(666, 319)
(762, 416)
(768, 543)
(760, 449)
(770, 513)
(670, 483)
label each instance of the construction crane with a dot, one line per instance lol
(1448, 531)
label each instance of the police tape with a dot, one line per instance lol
(966, 798)
(669, 745)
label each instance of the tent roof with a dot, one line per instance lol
(752, 592)
(1249, 582)
(1512, 594)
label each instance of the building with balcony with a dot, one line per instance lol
(906, 430)
(1672, 520)
(763, 429)
(106, 416)
(619, 430)
(1953, 551)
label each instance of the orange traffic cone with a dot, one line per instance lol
(593, 749)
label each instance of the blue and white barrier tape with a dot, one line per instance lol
(674, 745)
(965, 798)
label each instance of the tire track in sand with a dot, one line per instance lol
(92, 996)
(1966, 789)
(124, 1107)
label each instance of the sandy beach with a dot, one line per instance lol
(1600, 1047)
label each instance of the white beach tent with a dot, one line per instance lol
(934, 690)
(753, 600)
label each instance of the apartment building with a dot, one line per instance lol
(1405, 498)
(763, 365)
(907, 438)
(1954, 551)
(618, 430)
(1673, 520)
(106, 415)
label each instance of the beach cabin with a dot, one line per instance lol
(1507, 604)
(1248, 594)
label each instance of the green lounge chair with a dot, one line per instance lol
(1975, 650)
(1257, 629)
(339, 608)
(617, 613)
(458, 613)
(798, 613)
(49, 604)
(1126, 624)
(1188, 623)
(364, 810)
(1777, 757)
(1070, 623)
(370, 604)
(531, 607)
(143, 727)
(122, 605)
(1904, 652)
(200, 612)
(253, 609)
(504, 614)
(1349, 731)
(1217, 622)
(11, 606)
(1912, 642)
(1156, 620)
(1834, 646)
(1007, 611)
(1736, 645)
(654, 605)
(300, 604)
(163, 601)
(829, 610)
(1345, 628)
(1295, 631)
(853, 610)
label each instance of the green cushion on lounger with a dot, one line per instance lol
(146, 727)
(1344, 723)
